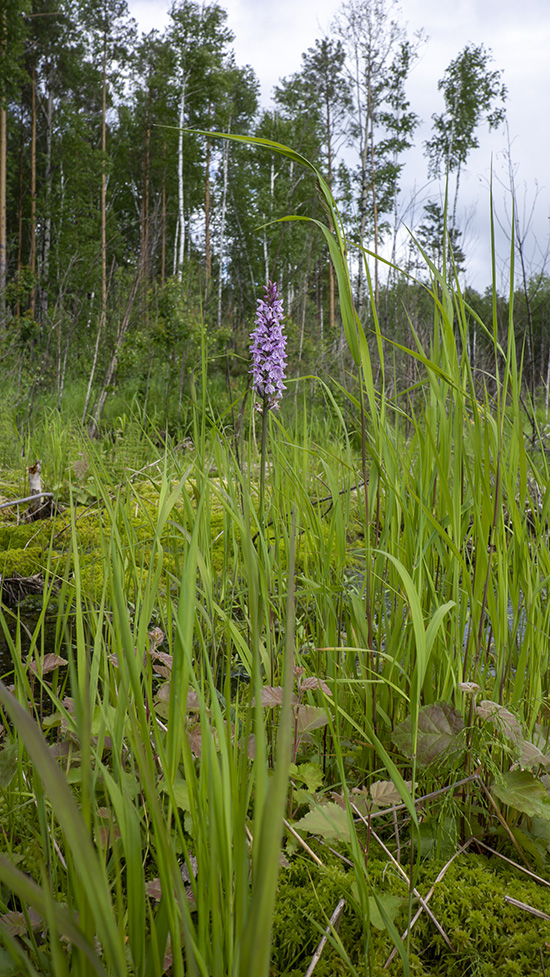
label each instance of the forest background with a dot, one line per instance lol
(126, 241)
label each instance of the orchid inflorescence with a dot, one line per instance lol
(268, 343)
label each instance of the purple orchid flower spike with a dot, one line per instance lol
(268, 344)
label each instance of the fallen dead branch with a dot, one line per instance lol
(333, 924)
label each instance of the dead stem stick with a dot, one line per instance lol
(332, 925)
(28, 498)
(526, 907)
(515, 864)
(425, 797)
(305, 846)
(406, 878)
(502, 820)
(428, 897)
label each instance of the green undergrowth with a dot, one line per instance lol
(488, 934)
(30, 548)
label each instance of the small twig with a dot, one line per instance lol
(428, 897)
(333, 924)
(405, 877)
(526, 908)
(304, 845)
(28, 498)
(510, 861)
(396, 833)
(502, 820)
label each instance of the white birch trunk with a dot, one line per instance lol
(181, 216)
(222, 225)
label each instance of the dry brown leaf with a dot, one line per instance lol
(48, 664)
(185, 871)
(384, 793)
(194, 738)
(315, 683)
(15, 922)
(154, 889)
(270, 696)
(162, 656)
(162, 671)
(156, 637)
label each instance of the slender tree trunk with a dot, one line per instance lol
(20, 209)
(207, 251)
(104, 187)
(145, 205)
(455, 201)
(163, 243)
(32, 253)
(222, 224)
(3, 175)
(373, 189)
(94, 365)
(125, 322)
(181, 215)
(3, 251)
(47, 238)
(331, 291)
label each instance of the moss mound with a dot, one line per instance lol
(489, 935)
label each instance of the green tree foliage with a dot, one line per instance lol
(379, 59)
(473, 95)
(116, 204)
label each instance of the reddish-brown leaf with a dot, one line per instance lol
(48, 664)
(314, 683)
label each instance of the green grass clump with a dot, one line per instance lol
(366, 613)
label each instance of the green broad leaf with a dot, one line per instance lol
(102, 714)
(8, 968)
(530, 756)
(301, 796)
(8, 764)
(501, 718)
(540, 829)
(530, 846)
(327, 820)
(180, 792)
(309, 774)
(439, 725)
(384, 793)
(49, 722)
(524, 792)
(390, 904)
(308, 718)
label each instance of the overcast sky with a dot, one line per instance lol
(271, 37)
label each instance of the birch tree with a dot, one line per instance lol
(474, 95)
(379, 58)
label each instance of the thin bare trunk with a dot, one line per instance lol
(373, 189)
(207, 253)
(3, 215)
(222, 224)
(32, 254)
(181, 216)
(123, 328)
(94, 364)
(3, 253)
(145, 208)
(104, 186)
(20, 211)
(163, 244)
(47, 242)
